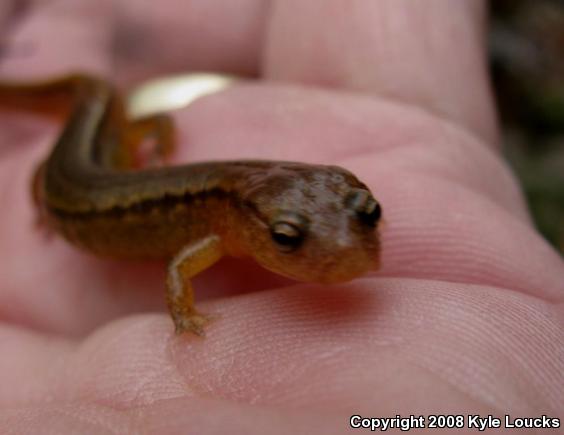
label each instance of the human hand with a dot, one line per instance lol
(465, 316)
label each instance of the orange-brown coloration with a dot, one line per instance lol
(308, 222)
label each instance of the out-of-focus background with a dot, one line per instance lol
(527, 58)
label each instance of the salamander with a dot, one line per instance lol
(313, 223)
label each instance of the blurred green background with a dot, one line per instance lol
(527, 60)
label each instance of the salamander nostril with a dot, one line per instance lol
(372, 212)
(366, 207)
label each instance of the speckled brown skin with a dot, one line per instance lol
(308, 222)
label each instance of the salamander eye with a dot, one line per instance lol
(287, 236)
(366, 207)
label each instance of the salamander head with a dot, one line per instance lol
(310, 223)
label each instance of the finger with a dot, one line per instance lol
(55, 37)
(311, 348)
(196, 35)
(8, 13)
(429, 54)
(202, 416)
(136, 38)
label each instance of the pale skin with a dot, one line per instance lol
(465, 315)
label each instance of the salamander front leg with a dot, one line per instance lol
(190, 261)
